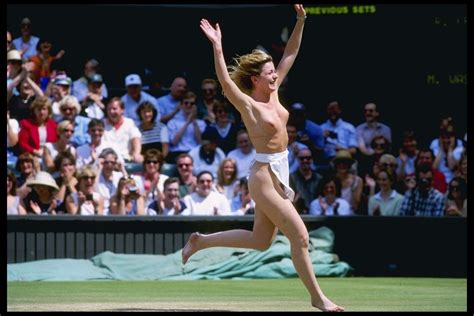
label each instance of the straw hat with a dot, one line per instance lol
(13, 55)
(343, 155)
(43, 178)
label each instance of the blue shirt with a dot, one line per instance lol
(315, 133)
(166, 104)
(81, 126)
(131, 106)
(346, 137)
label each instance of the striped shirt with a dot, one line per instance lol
(158, 134)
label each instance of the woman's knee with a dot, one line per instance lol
(301, 240)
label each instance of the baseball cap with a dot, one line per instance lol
(25, 21)
(95, 78)
(298, 106)
(62, 80)
(133, 79)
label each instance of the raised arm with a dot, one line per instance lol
(239, 99)
(293, 45)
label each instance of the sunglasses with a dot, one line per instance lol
(208, 90)
(151, 161)
(454, 188)
(189, 102)
(205, 181)
(88, 178)
(184, 165)
(109, 162)
(68, 130)
(303, 158)
(379, 145)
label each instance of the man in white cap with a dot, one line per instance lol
(26, 43)
(16, 72)
(134, 97)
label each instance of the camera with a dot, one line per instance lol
(133, 189)
(89, 197)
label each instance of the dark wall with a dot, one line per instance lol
(410, 59)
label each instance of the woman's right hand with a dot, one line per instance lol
(213, 34)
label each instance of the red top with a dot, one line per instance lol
(28, 138)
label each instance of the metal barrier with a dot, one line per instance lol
(373, 246)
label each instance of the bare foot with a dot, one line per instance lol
(191, 247)
(326, 305)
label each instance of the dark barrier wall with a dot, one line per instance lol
(410, 59)
(373, 246)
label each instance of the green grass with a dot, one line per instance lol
(355, 294)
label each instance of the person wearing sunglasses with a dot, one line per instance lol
(456, 198)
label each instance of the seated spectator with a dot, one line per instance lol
(127, 199)
(205, 201)
(65, 168)
(134, 97)
(329, 201)
(352, 184)
(16, 72)
(185, 129)
(93, 105)
(14, 206)
(170, 203)
(58, 88)
(27, 42)
(425, 157)
(122, 132)
(150, 181)
(39, 129)
(443, 150)
(421, 199)
(244, 154)
(456, 199)
(462, 170)
(79, 87)
(64, 131)
(88, 153)
(379, 146)
(69, 108)
(170, 104)
(41, 200)
(227, 182)
(294, 147)
(43, 61)
(242, 203)
(20, 104)
(207, 156)
(407, 155)
(304, 181)
(187, 180)
(226, 129)
(86, 200)
(13, 128)
(27, 165)
(206, 105)
(108, 176)
(387, 202)
(367, 131)
(154, 133)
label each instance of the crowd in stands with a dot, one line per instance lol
(69, 143)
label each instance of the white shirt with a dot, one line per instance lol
(107, 189)
(84, 153)
(15, 127)
(198, 205)
(343, 209)
(200, 165)
(243, 161)
(140, 182)
(122, 137)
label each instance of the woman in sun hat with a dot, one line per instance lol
(41, 200)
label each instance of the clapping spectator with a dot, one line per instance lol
(14, 206)
(387, 202)
(169, 104)
(88, 153)
(407, 155)
(205, 201)
(27, 165)
(86, 200)
(20, 104)
(456, 199)
(41, 200)
(226, 129)
(206, 105)
(127, 199)
(242, 203)
(169, 203)
(154, 133)
(227, 181)
(65, 167)
(329, 201)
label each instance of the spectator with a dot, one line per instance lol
(58, 88)
(13, 128)
(64, 131)
(27, 42)
(20, 104)
(43, 61)
(122, 132)
(39, 129)
(69, 108)
(242, 203)
(387, 202)
(134, 97)
(170, 203)
(207, 156)
(227, 182)
(338, 134)
(308, 132)
(294, 146)
(86, 200)
(244, 154)
(407, 155)
(379, 146)
(79, 87)
(27, 165)
(41, 199)
(425, 157)
(14, 206)
(456, 199)
(185, 129)
(205, 201)
(17, 71)
(65, 167)
(329, 201)
(226, 129)
(169, 104)
(150, 182)
(352, 184)
(462, 170)
(443, 150)
(371, 128)
(154, 133)
(205, 106)
(187, 180)
(127, 199)
(10, 45)
(421, 199)
(304, 181)
(88, 153)
(108, 176)
(93, 104)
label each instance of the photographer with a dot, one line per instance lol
(86, 201)
(421, 199)
(127, 200)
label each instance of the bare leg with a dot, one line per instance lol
(264, 231)
(266, 191)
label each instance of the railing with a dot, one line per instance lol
(409, 246)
